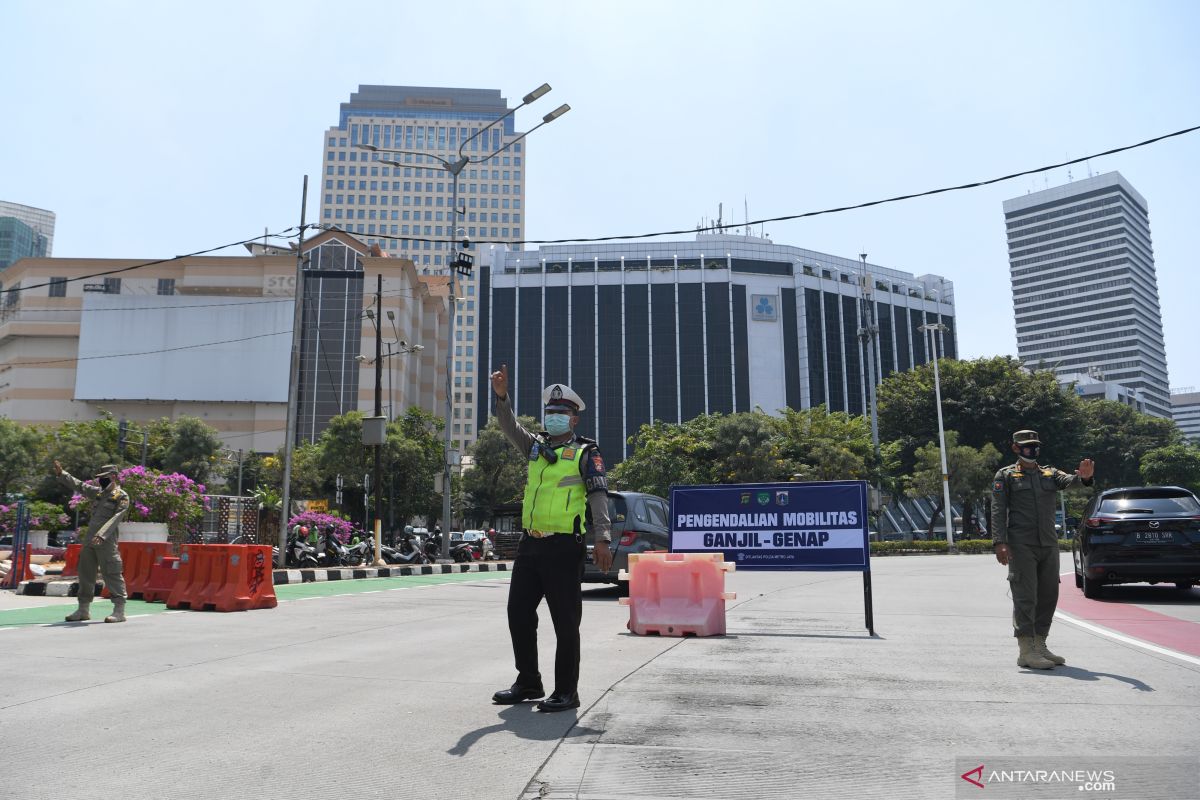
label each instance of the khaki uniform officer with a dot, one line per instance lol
(1023, 536)
(110, 502)
(566, 488)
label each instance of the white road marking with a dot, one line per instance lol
(1119, 637)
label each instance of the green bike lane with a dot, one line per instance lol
(31, 616)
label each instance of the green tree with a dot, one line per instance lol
(341, 452)
(413, 460)
(252, 471)
(498, 473)
(81, 447)
(668, 454)
(1117, 438)
(823, 446)
(19, 446)
(1174, 465)
(745, 449)
(985, 400)
(193, 449)
(969, 471)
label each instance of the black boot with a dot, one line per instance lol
(559, 701)
(517, 693)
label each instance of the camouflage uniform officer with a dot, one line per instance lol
(110, 502)
(1024, 539)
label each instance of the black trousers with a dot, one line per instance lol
(551, 567)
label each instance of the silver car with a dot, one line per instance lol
(639, 523)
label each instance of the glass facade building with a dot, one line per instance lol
(41, 220)
(672, 330)
(406, 210)
(18, 240)
(1085, 294)
(332, 337)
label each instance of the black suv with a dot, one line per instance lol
(1139, 534)
(639, 523)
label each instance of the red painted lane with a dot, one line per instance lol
(1132, 620)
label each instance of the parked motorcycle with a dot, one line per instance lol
(335, 553)
(360, 551)
(460, 552)
(301, 554)
(408, 551)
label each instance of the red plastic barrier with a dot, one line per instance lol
(162, 579)
(249, 581)
(677, 594)
(224, 577)
(137, 558)
(71, 567)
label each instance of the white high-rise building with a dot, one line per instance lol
(406, 209)
(1084, 288)
(1185, 405)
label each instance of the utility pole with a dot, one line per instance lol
(868, 334)
(379, 413)
(289, 437)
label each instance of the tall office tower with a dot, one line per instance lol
(32, 238)
(1084, 289)
(406, 209)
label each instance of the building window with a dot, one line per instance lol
(112, 285)
(166, 286)
(58, 287)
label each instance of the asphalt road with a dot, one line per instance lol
(384, 691)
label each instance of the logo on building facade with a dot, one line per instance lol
(764, 307)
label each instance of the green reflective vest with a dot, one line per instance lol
(555, 499)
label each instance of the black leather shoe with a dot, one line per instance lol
(517, 693)
(559, 701)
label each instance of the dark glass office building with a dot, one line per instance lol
(332, 334)
(671, 330)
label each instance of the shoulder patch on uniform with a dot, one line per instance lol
(597, 462)
(998, 486)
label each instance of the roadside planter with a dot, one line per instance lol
(144, 531)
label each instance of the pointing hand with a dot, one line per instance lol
(500, 381)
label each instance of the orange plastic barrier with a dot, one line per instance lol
(677, 594)
(137, 558)
(71, 567)
(224, 577)
(249, 580)
(162, 579)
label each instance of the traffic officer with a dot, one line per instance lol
(110, 502)
(1024, 539)
(566, 490)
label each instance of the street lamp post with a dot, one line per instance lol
(868, 334)
(932, 329)
(455, 168)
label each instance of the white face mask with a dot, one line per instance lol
(558, 424)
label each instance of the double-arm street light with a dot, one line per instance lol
(462, 262)
(378, 435)
(934, 328)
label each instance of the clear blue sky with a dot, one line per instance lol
(154, 129)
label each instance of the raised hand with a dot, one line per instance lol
(500, 381)
(1086, 469)
(58, 470)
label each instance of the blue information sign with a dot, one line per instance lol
(775, 526)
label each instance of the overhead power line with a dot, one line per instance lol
(803, 215)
